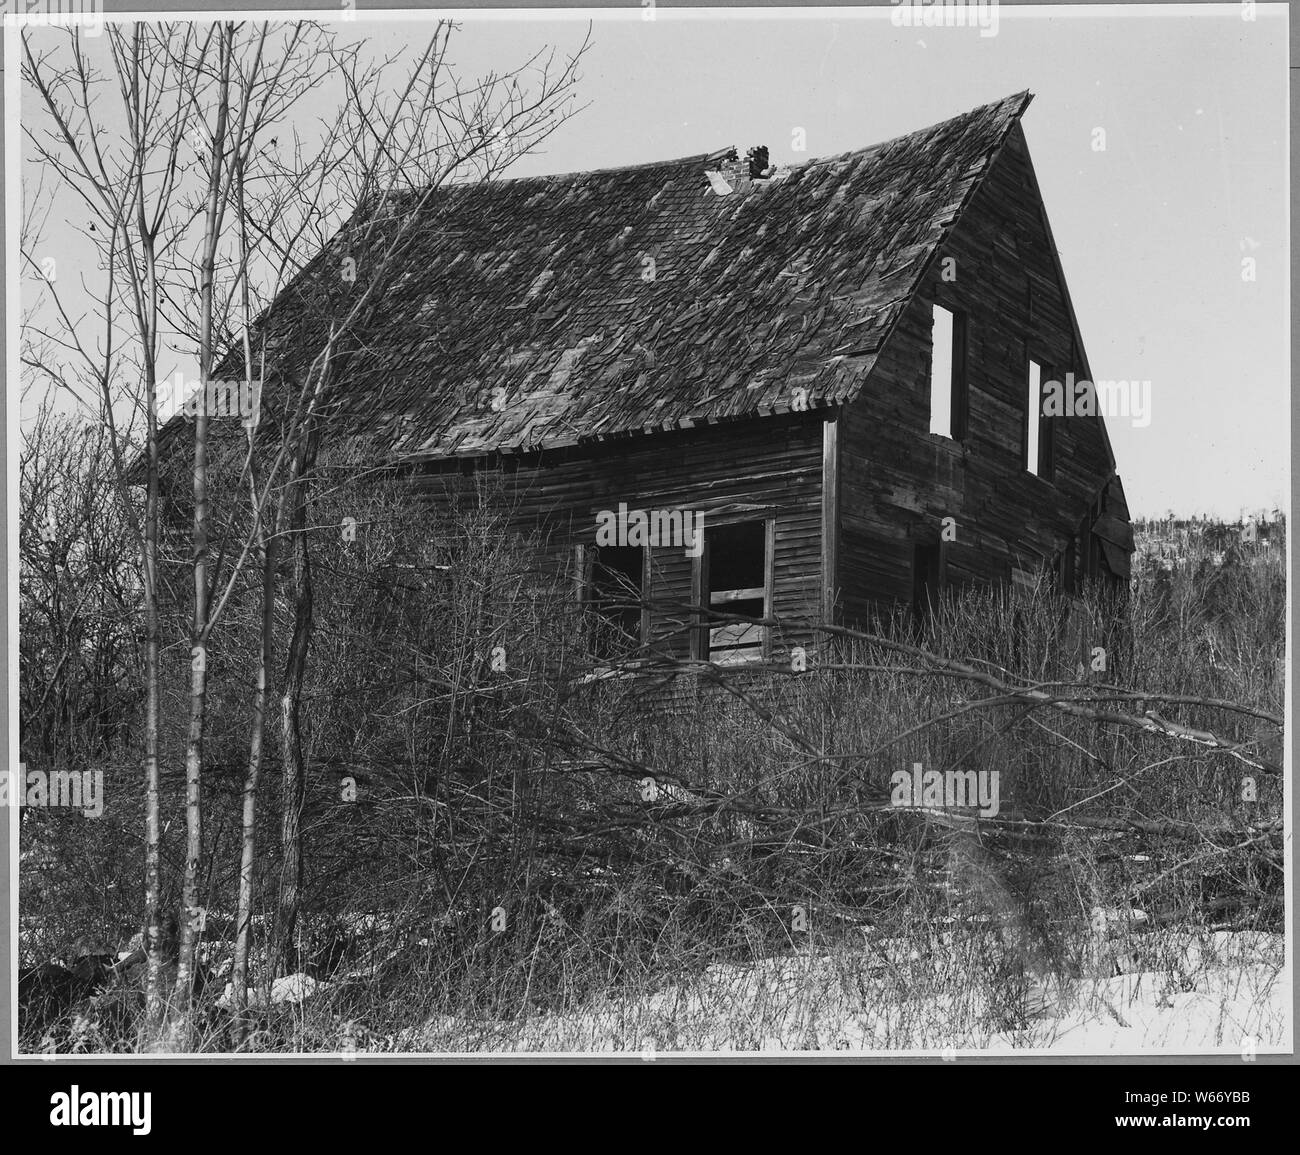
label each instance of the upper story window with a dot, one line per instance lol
(1038, 435)
(1033, 416)
(948, 374)
(1038, 439)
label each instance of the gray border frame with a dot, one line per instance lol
(8, 409)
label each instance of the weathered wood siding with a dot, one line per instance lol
(898, 481)
(773, 465)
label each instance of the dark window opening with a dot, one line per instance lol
(614, 592)
(735, 584)
(1066, 574)
(927, 580)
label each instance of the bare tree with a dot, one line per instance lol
(126, 188)
(194, 206)
(399, 152)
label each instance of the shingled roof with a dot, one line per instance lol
(544, 287)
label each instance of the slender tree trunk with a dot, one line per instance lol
(194, 745)
(294, 776)
(157, 947)
(154, 996)
(257, 730)
(190, 906)
(239, 974)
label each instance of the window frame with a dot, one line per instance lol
(1045, 465)
(1046, 429)
(701, 631)
(958, 378)
(588, 553)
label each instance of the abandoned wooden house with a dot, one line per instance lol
(824, 366)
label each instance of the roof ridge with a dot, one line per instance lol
(694, 158)
(1024, 96)
(731, 151)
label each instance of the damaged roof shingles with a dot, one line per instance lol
(637, 299)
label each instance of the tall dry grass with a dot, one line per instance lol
(539, 861)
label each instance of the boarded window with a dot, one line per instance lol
(614, 593)
(735, 583)
(948, 374)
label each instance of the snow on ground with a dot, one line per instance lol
(1227, 1010)
(289, 989)
(1221, 993)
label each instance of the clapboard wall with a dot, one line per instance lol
(898, 481)
(768, 468)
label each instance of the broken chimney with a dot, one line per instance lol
(739, 175)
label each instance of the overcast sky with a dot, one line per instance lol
(1152, 230)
